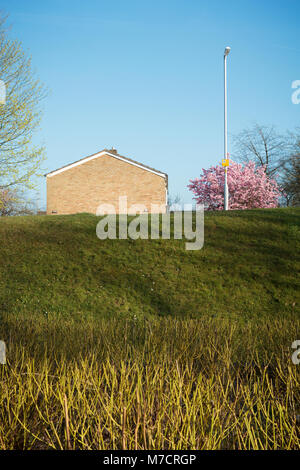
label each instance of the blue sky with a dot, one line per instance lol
(147, 76)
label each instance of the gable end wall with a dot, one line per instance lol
(101, 181)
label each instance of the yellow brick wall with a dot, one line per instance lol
(101, 181)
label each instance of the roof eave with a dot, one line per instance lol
(115, 155)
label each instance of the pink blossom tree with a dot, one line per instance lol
(249, 187)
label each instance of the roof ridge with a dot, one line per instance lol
(113, 153)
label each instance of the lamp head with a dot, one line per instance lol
(227, 50)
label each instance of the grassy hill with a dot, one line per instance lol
(144, 345)
(56, 266)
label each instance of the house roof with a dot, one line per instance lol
(113, 153)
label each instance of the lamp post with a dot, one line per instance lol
(226, 162)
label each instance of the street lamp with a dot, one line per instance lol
(226, 160)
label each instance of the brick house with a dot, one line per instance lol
(101, 179)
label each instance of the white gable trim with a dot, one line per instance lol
(92, 157)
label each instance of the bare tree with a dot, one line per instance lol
(264, 146)
(14, 202)
(291, 174)
(174, 203)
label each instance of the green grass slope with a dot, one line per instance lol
(56, 266)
